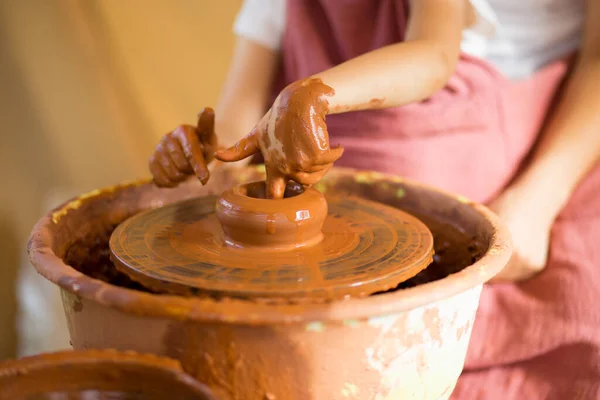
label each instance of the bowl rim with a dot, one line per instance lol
(172, 368)
(239, 311)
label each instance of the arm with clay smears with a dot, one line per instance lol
(188, 149)
(292, 136)
(405, 72)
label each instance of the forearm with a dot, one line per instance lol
(569, 146)
(245, 95)
(404, 72)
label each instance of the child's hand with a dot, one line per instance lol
(185, 151)
(530, 228)
(292, 138)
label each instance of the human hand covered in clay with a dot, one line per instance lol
(292, 138)
(185, 151)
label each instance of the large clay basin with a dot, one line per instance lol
(97, 375)
(409, 343)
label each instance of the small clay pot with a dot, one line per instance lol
(248, 219)
(97, 374)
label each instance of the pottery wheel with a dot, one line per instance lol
(367, 247)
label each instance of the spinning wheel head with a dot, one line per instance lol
(187, 248)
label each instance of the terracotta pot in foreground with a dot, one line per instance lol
(406, 343)
(98, 375)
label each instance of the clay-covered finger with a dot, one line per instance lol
(193, 150)
(206, 123)
(275, 185)
(324, 89)
(311, 178)
(159, 176)
(176, 153)
(246, 147)
(330, 156)
(315, 168)
(168, 166)
(206, 132)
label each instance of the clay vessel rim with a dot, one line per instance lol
(237, 191)
(245, 312)
(102, 358)
(267, 206)
(98, 356)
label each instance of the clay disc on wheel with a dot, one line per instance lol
(367, 247)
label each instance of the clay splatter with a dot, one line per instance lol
(349, 389)
(315, 327)
(351, 323)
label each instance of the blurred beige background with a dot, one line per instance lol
(87, 88)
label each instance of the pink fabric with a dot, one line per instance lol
(535, 340)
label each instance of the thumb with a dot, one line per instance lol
(246, 147)
(331, 156)
(206, 123)
(275, 185)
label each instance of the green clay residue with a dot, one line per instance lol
(261, 168)
(315, 327)
(349, 389)
(351, 323)
(363, 177)
(321, 187)
(377, 175)
(400, 192)
(462, 199)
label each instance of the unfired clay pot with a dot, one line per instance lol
(97, 375)
(408, 343)
(238, 203)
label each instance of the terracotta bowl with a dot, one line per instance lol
(99, 374)
(410, 342)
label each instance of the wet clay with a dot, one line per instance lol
(273, 249)
(373, 104)
(453, 251)
(250, 221)
(292, 138)
(97, 375)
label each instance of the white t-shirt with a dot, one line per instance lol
(516, 36)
